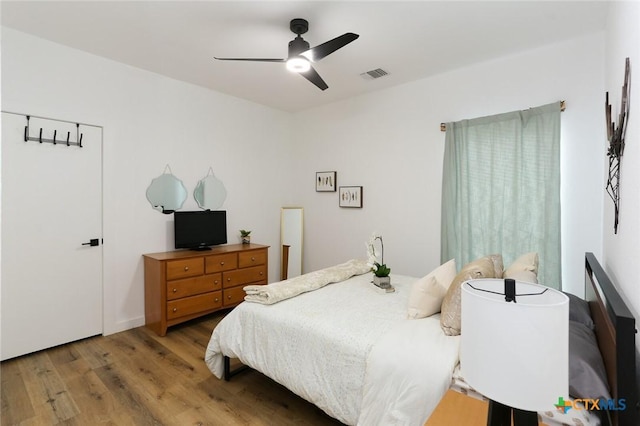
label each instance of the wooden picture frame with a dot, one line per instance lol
(326, 181)
(350, 196)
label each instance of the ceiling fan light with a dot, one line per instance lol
(308, 54)
(298, 64)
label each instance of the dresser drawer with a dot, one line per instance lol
(194, 304)
(252, 258)
(221, 262)
(192, 286)
(244, 276)
(233, 296)
(185, 268)
(182, 285)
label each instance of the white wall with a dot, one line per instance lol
(150, 121)
(390, 142)
(622, 250)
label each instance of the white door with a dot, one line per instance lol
(51, 206)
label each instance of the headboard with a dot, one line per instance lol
(615, 330)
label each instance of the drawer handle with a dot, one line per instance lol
(215, 282)
(261, 273)
(228, 279)
(175, 309)
(221, 263)
(186, 268)
(229, 297)
(216, 299)
(253, 259)
(175, 290)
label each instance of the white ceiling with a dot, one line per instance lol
(410, 40)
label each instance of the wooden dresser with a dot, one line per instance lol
(182, 285)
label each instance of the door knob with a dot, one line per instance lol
(92, 242)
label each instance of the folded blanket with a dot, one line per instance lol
(272, 293)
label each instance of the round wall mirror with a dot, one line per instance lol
(210, 193)
(166, 193)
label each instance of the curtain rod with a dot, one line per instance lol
(563, 105)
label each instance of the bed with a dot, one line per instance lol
(615, 328)
(350, 350)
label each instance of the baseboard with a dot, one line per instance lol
(123, 326)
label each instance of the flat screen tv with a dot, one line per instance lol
(198, 230)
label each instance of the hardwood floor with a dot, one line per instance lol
(138, 378)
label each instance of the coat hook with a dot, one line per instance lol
(26, 130)
(40, 134)
(54, 136)
(78, 138)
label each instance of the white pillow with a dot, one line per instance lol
(428, 292)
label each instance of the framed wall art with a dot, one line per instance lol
(350, 196)
(326, 181)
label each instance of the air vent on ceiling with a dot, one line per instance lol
(373, 74)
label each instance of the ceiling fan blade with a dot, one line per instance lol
(313, 76)
(324, 49)
(251, 59)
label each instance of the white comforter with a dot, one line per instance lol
(348, 348)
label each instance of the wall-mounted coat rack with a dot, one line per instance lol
(55, 141)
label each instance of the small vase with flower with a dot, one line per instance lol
(380, 270)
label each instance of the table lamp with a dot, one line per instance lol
(514, 347)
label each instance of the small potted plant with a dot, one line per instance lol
(380, 270)
(245, 236)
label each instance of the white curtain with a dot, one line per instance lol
(501, 189)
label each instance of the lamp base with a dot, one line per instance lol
(500, 415)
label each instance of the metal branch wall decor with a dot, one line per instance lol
(615, 136)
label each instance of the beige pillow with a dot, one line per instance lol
(526, 276)
(451, 305)
(526, 262)
(498, 266)
(427, 293)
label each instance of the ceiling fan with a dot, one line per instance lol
(301, 56)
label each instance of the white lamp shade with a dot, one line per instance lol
(515, 353)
